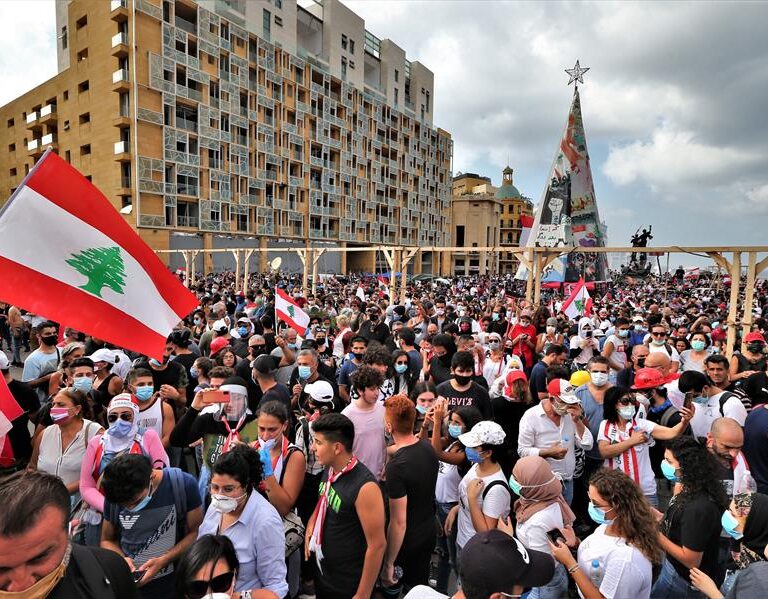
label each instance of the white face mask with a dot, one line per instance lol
(551, 329)
(599, 378)
(224, 504)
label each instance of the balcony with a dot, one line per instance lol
(32, 120)
(120, 81)
(186, 25)
(190, 222)
(120, 45)
(122, 151)
(33, 147)
(48, 114)
(119, 10)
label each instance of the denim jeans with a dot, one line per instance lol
(568, 491)
(555, 588)
(446, 549)
(16, 344)
(670, 585)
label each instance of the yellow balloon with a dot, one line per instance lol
(579, 378)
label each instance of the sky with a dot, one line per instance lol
(674, 103)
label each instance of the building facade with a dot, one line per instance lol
(485, 216)
(233, 123)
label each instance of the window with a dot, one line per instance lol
(10, 123)
(124, 105)
(82, 22)
(66, 95)
(12, 172)
(278, 21)
(266, 22)
(84, 86)
(67, 156)
(82, 55)
(11, 147)
(427, 102)
(351, 46)
(397, 75)
(459, 235)
(85, 118)
(351, 64)
(63, 37)
(343, 68)
(85, 150)
(278, 3)
(343, 42)
(396, 96)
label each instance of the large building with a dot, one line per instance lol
(234, 123)
(484, 216)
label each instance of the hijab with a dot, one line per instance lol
(755, 531)
(540, 489)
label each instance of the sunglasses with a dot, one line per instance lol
(626, 401)
(124, 416)
(659, 334)
(197, 589)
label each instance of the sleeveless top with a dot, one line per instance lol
(65, 463)
(102, 395)
(152, 417)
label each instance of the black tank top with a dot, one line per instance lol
(102, 394)
(746, 364)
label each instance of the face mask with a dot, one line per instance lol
(464, 328)
(257, 350)
(669, 472)
(305, 372)
(155, 363)
(514, 485)
(473, 455)
(143, 503)
(49, 339)
(197, 322)
(401, 368)
(551, 330)
(224, 504)
(421, 409)
(320, 340)
(454, 430)
(145, 393)
(267, 444)
(642, 399)
(440, 311)
(462, 379)
(702, 400)
(755, 348)
(623, 333)
(83, 383)
(561, 409)
(120, 428)
(43, 587)
(599, 378)
(659, 342)
(698, 345)
(638, 327)
(627, 412)
(730, 523)
(216, 596)
(641, 362)
(495, 316)
(60, 415)
(525, 323)
(194, 372)
(242, 331)
(292, 346)
(597, 514)
(355, 356)
(494, 345)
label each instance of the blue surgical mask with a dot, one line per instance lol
(83, 383)
(197, 322)
(698, 345)
(120, 428)
(473, 455)
(144, 393)
(304, 372)
(155, 363)
(194, 372)
(623, 333)
(669, 471)
(267, 444)
(730, 523)
(495, 316)
(514, 485)
(454, 430)
(292, 346)
(242, 331)
(421, 409)
(401, 368)
(597, 514)
(702, 400)
(143, 503)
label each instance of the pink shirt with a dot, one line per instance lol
(153, 447)
(370, 447)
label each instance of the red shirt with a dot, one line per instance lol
(522, 349)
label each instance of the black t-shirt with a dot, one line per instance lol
(440, 370)
(21, 443)
(379, 333)
(475, 396)
(344, 543)
(277, 393)
(695, 524)
(173, 374)
(93, 572)
(656, 451)
(186, 360)
(508, 414)
(412, 473)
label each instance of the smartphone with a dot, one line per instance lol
(215, 396)
(688, 401)
(139, 574)
(587, 334)
(555, 535)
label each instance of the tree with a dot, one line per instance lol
(104, 267)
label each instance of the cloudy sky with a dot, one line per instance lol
(674, 104)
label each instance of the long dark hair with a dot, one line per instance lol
(409, 374)
(699, 472)
(208, 549)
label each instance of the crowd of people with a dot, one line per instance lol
(462, 443)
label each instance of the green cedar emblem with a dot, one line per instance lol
(291, 311)
(580, 305)
(104, 267)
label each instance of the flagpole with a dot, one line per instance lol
(23, 183)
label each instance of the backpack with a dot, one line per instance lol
(502, 483)
(746, 401)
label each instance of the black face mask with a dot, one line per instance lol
(641, 362)
(320, 341)
(49, 339)
(462, 379)
(358, 356)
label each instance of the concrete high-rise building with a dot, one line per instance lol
(234, 123)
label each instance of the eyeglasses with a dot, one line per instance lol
(124, 416)
(402, 363)
(659, 334)
(197, 589)
(626, 401)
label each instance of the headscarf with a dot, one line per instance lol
(540, 489)
(583, 322)
(114, 444)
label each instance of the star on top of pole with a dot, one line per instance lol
(576, 74)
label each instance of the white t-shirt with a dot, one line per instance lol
(623, 570)
(653, 348)
(424, 592)
(619, 355)
(533, 532)
(636, 465)
(705, 415)
(448, 479)
(495, 504)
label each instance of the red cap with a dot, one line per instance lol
(564, 390)
(650, 378)
(218, 344)
(515, 375)
(754, 336)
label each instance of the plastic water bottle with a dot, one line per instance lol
(748, 484)
(595, 573)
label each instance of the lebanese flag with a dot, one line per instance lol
(290, 312)
(526, 224)
(382, 282)
(578, 303)
(67, 253)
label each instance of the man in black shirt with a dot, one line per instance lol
(373, 328)
(554, 355)
(36, 556)
(626, 377)
(263, 372)
(461, 390)
(411, 476)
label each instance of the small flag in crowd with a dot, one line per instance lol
(290, 312)
(67, 253)
(360, 293)
(578, 303)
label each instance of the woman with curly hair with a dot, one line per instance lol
(617, 559)
(690, 531)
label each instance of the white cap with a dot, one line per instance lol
(219, 326)
(4, 364)
(320, 391)
(103, 355)
(486, 432)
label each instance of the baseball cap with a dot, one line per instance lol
(754, 336)
(103, 355)
(512, 376)
(244, 320)
(563, 390)
(486, 432)
(320, 391)
(265, 363)
(220, 326)
(4, 364)
(218, 344)
(493, 561)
